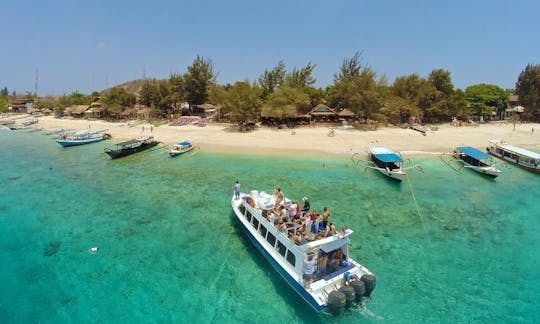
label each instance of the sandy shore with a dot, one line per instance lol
(314, 141)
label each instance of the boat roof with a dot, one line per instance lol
(473, 152)
(520, 151)
(184, 143)
(133, 141)
(385, 155)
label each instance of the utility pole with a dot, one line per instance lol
(144, 72)
(36, 84)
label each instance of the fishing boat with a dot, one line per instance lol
(476, 160)
(387, 162)
(138, 144)
(521, 157)
(336, 279)
(181, 148)
(83, 137)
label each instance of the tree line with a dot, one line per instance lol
(281, 93)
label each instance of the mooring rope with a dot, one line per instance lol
(414, 198)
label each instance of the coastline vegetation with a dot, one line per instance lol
(279, 93)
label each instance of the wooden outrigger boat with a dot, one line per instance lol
(138, 144)
(335, 279)
(521, 157)
(388, 163)
(181, 148)
(476, 160)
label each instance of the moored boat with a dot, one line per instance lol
(181, 148)
(476, 160)
(516, 155)
(387, 162)
(83, 137)
(138, 144)
(318, 268)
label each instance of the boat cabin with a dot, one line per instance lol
(472, 156)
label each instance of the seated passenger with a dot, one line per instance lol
(282, 227)
(335, 261)
(330, 230)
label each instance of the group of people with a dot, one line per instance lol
(325, 264)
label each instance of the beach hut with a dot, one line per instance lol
(323, 113)
(288, 115)
(346, 114)
(76, 110)
(21, 105)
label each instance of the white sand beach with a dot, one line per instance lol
(314, 140)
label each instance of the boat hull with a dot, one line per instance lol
(173, 153)
(396, 175)
(293, 283)
(115, 154)
(296, 286)
(68, 143)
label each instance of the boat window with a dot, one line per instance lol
(281, 248)
(255, 223)
(263, 231)
(271, 239)
(291, 258)
(248, 216)
(242, 209)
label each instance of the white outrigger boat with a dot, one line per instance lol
(337, 280)
(387, 162)
(476, 160)
(181, 148)
(521, 157)
(82, 138)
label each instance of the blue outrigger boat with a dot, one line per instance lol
(476, 160)
(181, 148)
(82, 138)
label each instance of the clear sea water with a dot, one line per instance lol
(172, 252)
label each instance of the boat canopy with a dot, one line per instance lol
(389, 157)
(184, 143)
(520, 151)
(473, 152)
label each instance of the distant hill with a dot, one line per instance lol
(134, 86)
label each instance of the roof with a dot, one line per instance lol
(322, 109)
(385, 155)
(184, 143)
(77, 109)
(473, 152)
(346, 112)
(520, 151)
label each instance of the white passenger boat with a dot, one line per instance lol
(337, 279)
(476, 160)
(516, 155)
(82, 138)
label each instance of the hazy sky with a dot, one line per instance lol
(88, 45)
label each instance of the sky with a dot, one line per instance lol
(87, 46)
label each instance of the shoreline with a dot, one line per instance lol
(313, 141)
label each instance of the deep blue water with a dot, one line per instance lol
(171, 250)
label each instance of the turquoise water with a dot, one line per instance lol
(171, 250)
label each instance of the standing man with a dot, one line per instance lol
(309, 270)
(236, 190)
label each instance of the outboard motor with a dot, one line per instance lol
(370, 282)
(336, 301)
(349, 293)
(359, 288)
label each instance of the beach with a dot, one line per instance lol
(314, 140)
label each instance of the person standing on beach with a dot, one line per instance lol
(236, 190)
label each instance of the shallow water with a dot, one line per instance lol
(171, 250)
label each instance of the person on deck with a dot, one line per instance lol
(309, 270)
(236, 190)
(325, 216)
(307, 206)
(279, 197)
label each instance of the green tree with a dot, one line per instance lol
(177, 93)
(397, 110)
(198, 79)
(217, 95)
(528, 90)
(242, 100)
(3, 103)
(356, 88)
(287, 102)
(272, 79)
(117, 98)
(442, 81)
(157, 95)
(483, 98)
(300, 78)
